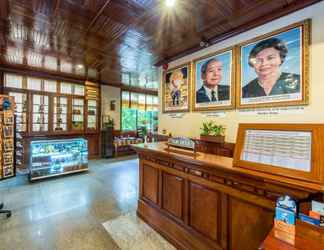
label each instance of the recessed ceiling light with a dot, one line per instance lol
(170, 3)
(80, 66)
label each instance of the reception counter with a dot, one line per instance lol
(202, 202)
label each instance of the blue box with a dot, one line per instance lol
(309, 220)
(285, 215)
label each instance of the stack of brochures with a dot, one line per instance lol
(316, 214)
(285, 219)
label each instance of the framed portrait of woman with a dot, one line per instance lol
(213, 81)
(272, 70)
(176, 89)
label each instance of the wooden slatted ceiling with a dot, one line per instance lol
(114, 36)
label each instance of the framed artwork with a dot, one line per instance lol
(7, 158)
(8, 145)
(213, 85)
(272, 70)
(8, 118)
(176, 89)
(8, 131)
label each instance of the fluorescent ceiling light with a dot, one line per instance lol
(170, 3)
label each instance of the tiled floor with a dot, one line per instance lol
(68, 212)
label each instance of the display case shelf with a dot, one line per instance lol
(54, 157)
(77, 114)
(40, 115)
(92, 115)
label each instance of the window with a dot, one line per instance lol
(66, 88)
(13, 81)
(139, 110)
(78, 90)
(147, 80)
(34, 83)
(50, 86)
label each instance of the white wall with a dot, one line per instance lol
(108, 94)
(190, 123)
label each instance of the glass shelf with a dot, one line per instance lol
(40, 113)
(92, 114)
(77, 114)
(60, 114)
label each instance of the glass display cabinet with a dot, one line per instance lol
(40, 113)
(92, 115)
(57, 157)
(77, 114)
(60, 114)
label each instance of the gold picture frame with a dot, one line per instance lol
(176, 83)
(293, 145)
(290, 88)
(8, 131)
(201, 100)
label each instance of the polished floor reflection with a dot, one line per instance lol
(131, 233)
(68, 212)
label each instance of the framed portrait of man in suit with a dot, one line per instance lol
(213, 85)
(272, 70)
(176, 89)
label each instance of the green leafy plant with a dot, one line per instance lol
(144, 130)
(211, 128)
(109, 122)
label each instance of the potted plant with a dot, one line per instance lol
(144, 132)
(108, 123)
(212, 132)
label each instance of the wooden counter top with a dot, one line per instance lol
(216, 162)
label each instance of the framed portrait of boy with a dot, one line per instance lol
(176, 89)
(213, 81)
(272, 70)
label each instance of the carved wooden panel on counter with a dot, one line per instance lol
(248, 224)
(173, 192)
(150, 183)
(204, 210)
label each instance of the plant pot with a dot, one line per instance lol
(213, 138)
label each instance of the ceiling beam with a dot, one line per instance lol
(56, 7)
(94, 20)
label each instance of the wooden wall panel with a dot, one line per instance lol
(173, 195)
(93, 145)
(204, 213)
(150, 183)
(247, 219)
